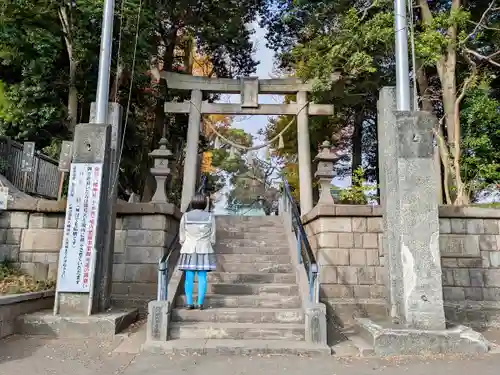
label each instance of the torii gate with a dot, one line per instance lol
(249, 89)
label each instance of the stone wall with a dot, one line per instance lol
(12, 306)
(31, 234)
(349, 249)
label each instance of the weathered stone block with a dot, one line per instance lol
(143, 255)
(444, 226)
(370, 240)
(333, 257)
(453, 293)
(9, 252)
(487, 242)
(375, 225)
(473, 294)
(461, 277)
(359, 224)
(459, 226)
(491, 226)
(475, 226)
(485, 259)
(448, 277)
(476, 277)
(347, 275)
(336, 291)
(449, 262)
(492, 277)
(357, 257)
(358, 240)
(42, 240)
(155, 222)
(120, 241)
(380, 275)
(43, 221)
(18, 220)
(469, 262)
(118, 272)
(4, 219)
(141, 273)
(13, 236)
(339, 224)
(328, 239)
(456, 245)
(491, 294)
(346, 240)
(361, 291)
(366, 275)
(328, 275)
(495, 259)
(372, 258)
(146, 238)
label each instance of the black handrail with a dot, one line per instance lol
(306, 254)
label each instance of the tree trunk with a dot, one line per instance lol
(72, 96)
(160, 118)
(357, 141)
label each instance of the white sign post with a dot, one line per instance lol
(78, 253)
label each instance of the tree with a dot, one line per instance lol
(456, 46)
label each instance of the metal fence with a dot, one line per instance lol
(43, 181)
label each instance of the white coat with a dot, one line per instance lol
(197, 232)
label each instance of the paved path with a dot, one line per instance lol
(48, 356)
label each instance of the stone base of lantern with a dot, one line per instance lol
(387, 339)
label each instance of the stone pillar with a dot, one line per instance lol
(160, 171)
(81, 271)
(115, 115)
(388, 183)
(416, 222)
(303, 146)
(191, 160)
(324, 173)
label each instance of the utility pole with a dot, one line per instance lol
(402, 67)
(102, 94)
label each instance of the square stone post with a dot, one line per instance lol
(304, 151)
(191, 160)
(81, 272)
(115, 115)
(418, 222)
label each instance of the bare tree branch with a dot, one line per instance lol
(484, 58)
(481, 20)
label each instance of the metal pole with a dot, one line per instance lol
(402, 69)
(102, 94)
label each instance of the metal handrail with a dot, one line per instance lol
(304, 251)
(161, 294)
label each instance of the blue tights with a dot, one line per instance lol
(189, 284)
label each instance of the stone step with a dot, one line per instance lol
(253, 289)
(255, 268)
(236, 347)
(214, 301)
(237, 331)
(253, 258)
(239, 315)
(248, 220)
(250, 247)
(253, 278)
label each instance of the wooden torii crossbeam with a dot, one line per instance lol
(249, 88)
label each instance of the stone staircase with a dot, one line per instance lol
(253, 304)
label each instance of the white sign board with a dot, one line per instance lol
(4, 197)
(78, 253)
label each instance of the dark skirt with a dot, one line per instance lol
(197, 262)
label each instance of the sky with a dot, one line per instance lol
(265, 69)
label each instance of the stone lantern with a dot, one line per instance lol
(326, 160)
(160, 170)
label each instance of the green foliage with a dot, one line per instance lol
(358, 193)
